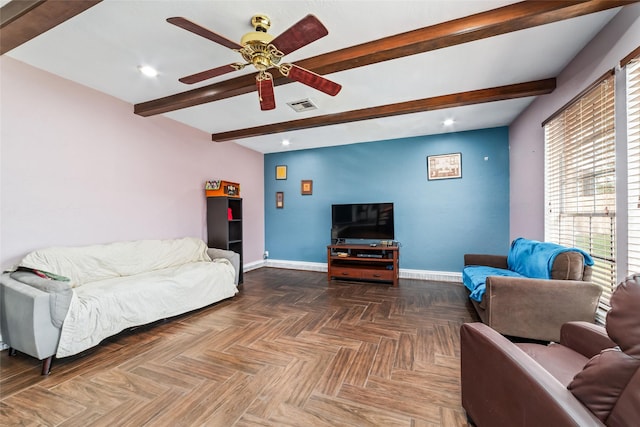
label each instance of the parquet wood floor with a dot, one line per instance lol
(288, 350)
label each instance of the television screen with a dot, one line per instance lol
(362, 221)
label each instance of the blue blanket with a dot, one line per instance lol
(474, 278)
(535, 259)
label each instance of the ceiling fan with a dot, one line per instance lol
(263, 51)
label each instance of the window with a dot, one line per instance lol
(580, 176)
(633, 159)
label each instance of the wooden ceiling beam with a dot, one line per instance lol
(501, 93)
(514, 17)
(23, 20)
(15, 9)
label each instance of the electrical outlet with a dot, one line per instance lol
(265, 255)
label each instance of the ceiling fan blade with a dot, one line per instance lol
(265, 92)
(312, 79)
(203, 32)
(305, 31)
(208, 74)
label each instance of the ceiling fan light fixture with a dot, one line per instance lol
(254, 37)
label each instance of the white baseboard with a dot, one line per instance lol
(297, 265)
(440, 276)
(253, 265)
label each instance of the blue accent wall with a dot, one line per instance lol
(436, 222)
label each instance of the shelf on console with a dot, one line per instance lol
(363, 262)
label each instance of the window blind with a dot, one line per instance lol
(580, 191)
(633, 156)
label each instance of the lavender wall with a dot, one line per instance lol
(616, 40)
(78, 167)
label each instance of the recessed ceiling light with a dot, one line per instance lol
(285, 142)
(448, 122)
(148, 71)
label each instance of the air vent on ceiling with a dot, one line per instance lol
(302, 105)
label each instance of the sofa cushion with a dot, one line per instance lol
(560, 361)
(99, 262)
(474, 278)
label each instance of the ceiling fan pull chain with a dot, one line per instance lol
(260, 77)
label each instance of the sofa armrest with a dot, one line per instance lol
(503, 386)
(26, 318)
(585, 338)
(60, 293)
(496, 261)
(537, 308)
(233, 257)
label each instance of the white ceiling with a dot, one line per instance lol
(102, 48)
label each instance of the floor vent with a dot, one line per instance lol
(302, 105)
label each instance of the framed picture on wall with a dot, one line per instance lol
(444, 166)
(281, 172)
(306, 187)
(279, 199)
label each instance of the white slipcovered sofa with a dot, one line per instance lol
(61, 301)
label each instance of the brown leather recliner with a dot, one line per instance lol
(590, 378)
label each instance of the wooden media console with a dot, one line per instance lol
(379, 263)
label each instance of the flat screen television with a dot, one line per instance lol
(373, 221)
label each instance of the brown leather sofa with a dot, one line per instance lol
(536, 308)
(590, 378)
